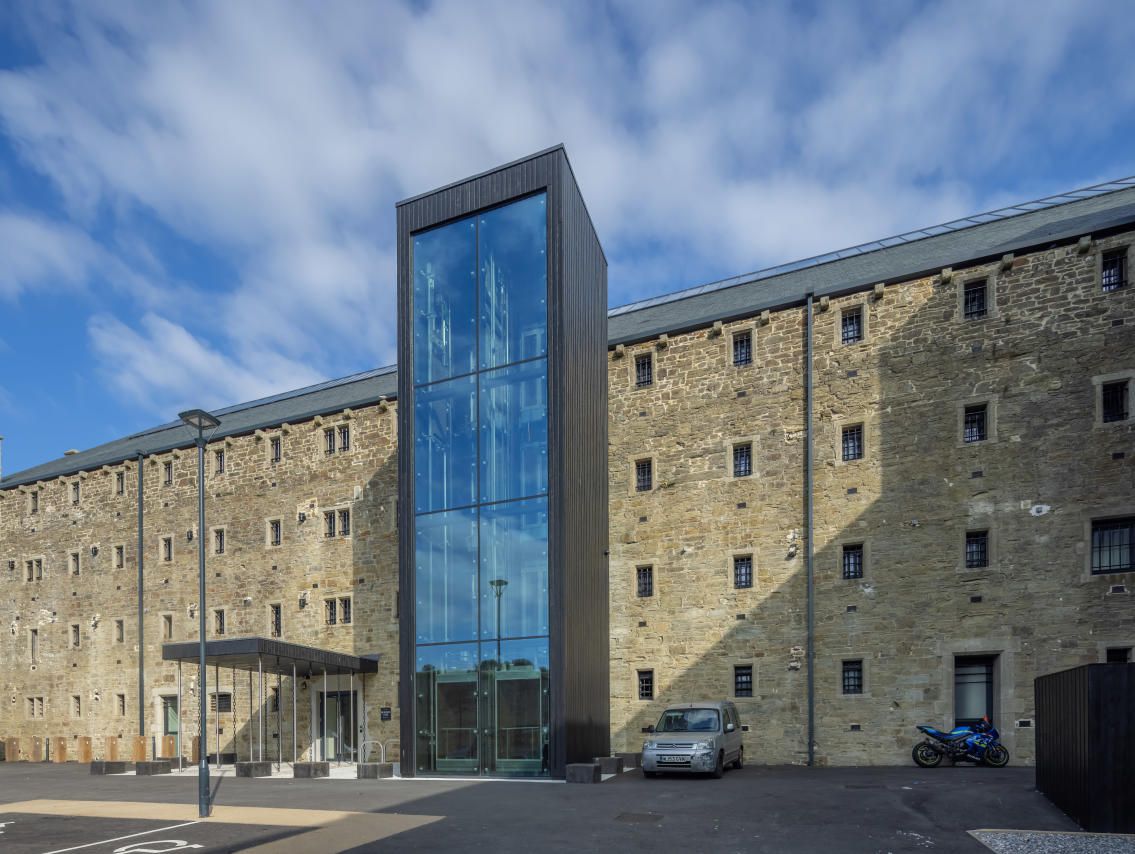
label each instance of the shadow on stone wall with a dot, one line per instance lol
(1033, 484)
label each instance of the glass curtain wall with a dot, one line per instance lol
(481, 492)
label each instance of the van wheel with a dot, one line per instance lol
(740, 763)
(719, 769)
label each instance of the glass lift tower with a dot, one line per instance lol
(502, 421)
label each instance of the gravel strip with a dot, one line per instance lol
(1040, 842)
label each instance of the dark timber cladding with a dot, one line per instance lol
(577, 449)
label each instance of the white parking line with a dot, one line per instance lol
(120, 838)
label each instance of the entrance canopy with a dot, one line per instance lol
(273, 656)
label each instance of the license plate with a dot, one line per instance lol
(674, 759)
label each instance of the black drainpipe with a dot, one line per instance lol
(808, 498)
(141, 634)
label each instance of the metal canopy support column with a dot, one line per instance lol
(217, 716)
(260, 672)
(295, 748)
(323, 718)
(232, 705)
(354, 731)
(251, 720)
(178, 716)
(338, 719)
(279, 729)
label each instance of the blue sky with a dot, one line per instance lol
(197, 200)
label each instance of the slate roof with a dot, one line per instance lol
(1028, 226)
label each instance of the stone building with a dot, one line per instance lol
(964, 451)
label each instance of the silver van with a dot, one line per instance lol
(695, 737)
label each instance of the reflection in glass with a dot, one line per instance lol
(512, 244)
(446, 687)
(445, 576)
(514, 550)
(514, 431)
(445, 296)
(445, 445)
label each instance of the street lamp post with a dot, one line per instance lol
(498, 585)
(201, 420)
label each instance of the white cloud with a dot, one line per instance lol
(162, 367)
(709, 139)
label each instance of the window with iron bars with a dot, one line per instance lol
(1113, 270)
(853, 676)
(646, 684)
(643, 370)
(853, 560)
(851, 325)
(743, 460)
(644, 576)
(851, 441)
(1118, 655)
(219, 462)
(344, 523)
(743, 680)
(1113, 545)
(743, 571)
(344, 438)
(743, 348)
(275, 532)
(329, 523)
(974, 423)
(219, 621)
(222, 703)
(330, 612)
(974, 299)
(644, 475)
(329, 441)
(345, 610)
(119, 483)
(75, 492)
(219, 541)
(276, 449)
(167, 472)
(276, 619)
(1114, 399)
(977, 549)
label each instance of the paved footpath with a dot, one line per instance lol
(790, 810)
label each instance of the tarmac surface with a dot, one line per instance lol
(58, 808)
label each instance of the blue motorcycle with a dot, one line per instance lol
(978, 743)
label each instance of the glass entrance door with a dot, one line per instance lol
(336, 728)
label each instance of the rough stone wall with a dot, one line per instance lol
(1045, 472)
(250, 575)
(697, 518)
(1047, 469)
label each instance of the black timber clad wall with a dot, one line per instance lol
(1085, 744)
(582, 471)
(575, 533)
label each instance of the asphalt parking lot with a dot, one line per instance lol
(55, 808)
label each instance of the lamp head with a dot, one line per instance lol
(199, 419)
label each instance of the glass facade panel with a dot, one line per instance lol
(512, 251)
(514, 569)
(445, 302)
(481, 481)
(445, 585)
(446, 694)
(445, 445)
(514, 431)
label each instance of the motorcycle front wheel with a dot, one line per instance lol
(926, 756)
(996, 756)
